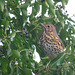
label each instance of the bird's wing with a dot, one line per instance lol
(58, 42)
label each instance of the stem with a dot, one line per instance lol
(24, 50)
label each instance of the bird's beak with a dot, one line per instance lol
(42, 24)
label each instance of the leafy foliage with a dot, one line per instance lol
(20, 32)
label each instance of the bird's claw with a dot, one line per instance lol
(47, 67)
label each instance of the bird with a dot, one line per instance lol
(51, 42)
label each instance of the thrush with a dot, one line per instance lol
(50, 41)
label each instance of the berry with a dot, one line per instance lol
(1, 55)
(27, 22)
(24, 28)
(26, 32)
(42, 0)
(66, 11)
(39, 16)
(60, 6)
(27, 35)
(67, 14)
(30, 53)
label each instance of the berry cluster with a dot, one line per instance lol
(61, 8)
(26, 32)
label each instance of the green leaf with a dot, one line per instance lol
(37, 7)
(13, 34)
(51, 5)
(73, 40)
(51, 11)
(71, 20)
(63, 3)
(72, 61)
(12, 69)
(51, 8)
(24, 15)
(1, 33)
(72, 49)
(26, 71)
(31, 27)
(66, 2)
(16, 54)
(24, 6)
(8, 50)
(4, 64)
(58, 60)
(44, 8)
(62, 22)
(70, 72)
(60, 18)
(66, 17)
(67, 48)
(33, 12)
(65, 72)
(61, 59)
(46, 19)
(5, 23)
(57, 0)
(2, 2)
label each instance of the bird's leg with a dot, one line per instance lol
(47, 66)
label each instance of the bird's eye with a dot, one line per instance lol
(48, 26)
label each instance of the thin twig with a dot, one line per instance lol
(24, 50)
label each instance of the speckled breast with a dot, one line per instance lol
(49, 46)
